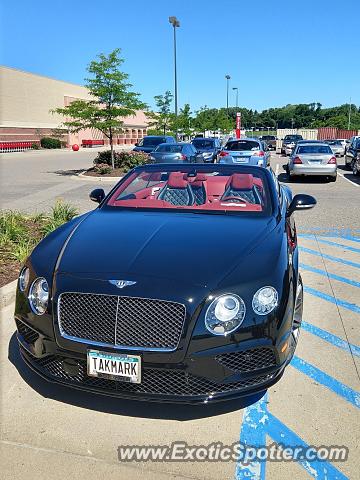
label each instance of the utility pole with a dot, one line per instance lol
(175, 23)
(227, 94)
(237, 95)
(349, 121)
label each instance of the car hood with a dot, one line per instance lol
(196, 248)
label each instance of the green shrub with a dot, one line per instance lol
(124, 160)
(61, 213)
(35, 146)
(48, 142)
(102, 168)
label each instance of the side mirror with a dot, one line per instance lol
(301, 202)
(97, 195)
(136, 144)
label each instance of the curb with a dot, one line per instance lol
(7, 294)
(82, 176)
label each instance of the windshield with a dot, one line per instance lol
(333, 142)
(203, 144)
(293, 138)
(242, 145)
(151, 141)
(314, 149)
(268, 137)
(217, 189)
(169, 148)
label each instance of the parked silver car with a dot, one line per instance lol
(248, 151)
(313, 159)
(336, 146)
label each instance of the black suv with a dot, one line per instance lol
(208, 147)
(352, 152)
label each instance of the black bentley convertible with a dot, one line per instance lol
(182, 286)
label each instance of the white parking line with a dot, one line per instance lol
(277, 169)
(348, 180)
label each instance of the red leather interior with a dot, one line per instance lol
(214, 185)
(177, 180)
(240, 181)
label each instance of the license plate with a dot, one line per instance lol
(315, 161)
(241, 159)
(120, 367)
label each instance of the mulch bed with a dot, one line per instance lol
(9, 271)
(117, 172)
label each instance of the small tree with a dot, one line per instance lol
(111, 99)
(162, 119)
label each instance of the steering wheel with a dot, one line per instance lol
(234, 200)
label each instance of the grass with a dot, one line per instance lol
(249, 133)
(20, 233)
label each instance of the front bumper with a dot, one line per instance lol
(216, 374)
(321, 170)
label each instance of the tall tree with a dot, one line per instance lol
(162, 119)
(111, 101)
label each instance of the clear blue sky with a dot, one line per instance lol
(276, 51)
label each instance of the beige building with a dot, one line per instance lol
(26, 100)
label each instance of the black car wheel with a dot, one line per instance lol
(332, 179)
(354, 167)
(298, 310)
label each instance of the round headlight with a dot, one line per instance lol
(24, 279)
(39, 296)
(225, 314)
(265, 300)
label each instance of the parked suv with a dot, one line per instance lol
(270, 140)
(150, 142)
(289, 143)
(209, 147)
(352, 152)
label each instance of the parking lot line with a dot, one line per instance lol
(347, 393)
(253, 433)
(259, 422)
(329, 275)
(337, 301)
(348, 180)
(330, 338)
(333, 244)
(329, 257)
(320, 470)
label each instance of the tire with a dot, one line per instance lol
(348, 165)
(333, 179)
(297, 316)
(354, 168)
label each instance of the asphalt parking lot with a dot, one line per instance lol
(57, 432)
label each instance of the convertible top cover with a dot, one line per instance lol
(187, 187)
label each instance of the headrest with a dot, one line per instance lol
(241, 181)
(177, 180)
(198, 180)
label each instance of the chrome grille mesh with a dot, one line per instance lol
(154, 381)
(123, 321)
(248, 360)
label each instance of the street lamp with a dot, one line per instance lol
(175, 23)
(227, 93)
(237, 95)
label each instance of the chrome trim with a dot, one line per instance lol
(115, 346)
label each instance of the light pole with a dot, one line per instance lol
(237, 95)
(227, 94)
(175, 23)
(349, 117)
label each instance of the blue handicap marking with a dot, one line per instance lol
(330, 338)
(329, 298)
(324, 273)
(259, 422)
(331, 243)
(329, 257)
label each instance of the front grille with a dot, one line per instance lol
(248, 360)
(28, 334)
(154, 381)
(123, 321)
